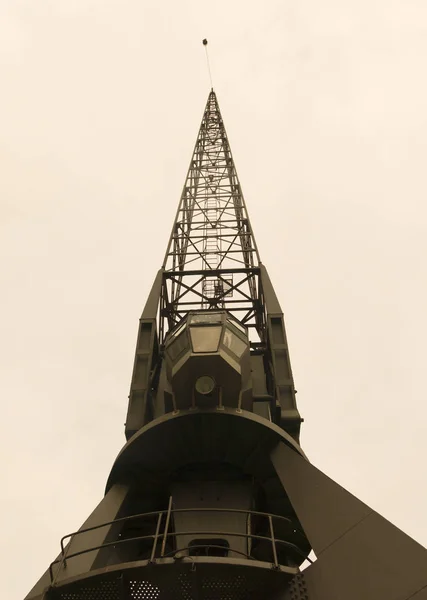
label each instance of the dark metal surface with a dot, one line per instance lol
(359, 553)
(212, 498)
(188, 437)
(185, 579)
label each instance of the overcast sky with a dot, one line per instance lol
(100, 104)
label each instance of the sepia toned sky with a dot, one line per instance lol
(100, 104)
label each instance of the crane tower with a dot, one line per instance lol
(212, 496)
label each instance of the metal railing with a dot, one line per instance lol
(168, 534)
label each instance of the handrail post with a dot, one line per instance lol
(62, 544)
(273, 542)
(156, 536)
(61, 563)
(64, 554)
(165, 534)
(249, 532)
(51, 572)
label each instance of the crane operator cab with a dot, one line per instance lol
(208, 363)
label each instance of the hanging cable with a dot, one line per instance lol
(205, 43)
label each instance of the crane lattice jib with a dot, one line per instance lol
(212, 260)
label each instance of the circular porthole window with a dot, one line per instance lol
(205, 385)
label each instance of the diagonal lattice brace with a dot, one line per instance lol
(212, 233)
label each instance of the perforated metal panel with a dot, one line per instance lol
(101, 590)
(185, 585)
(143, 590)
(215, 588)
(114, 590)
(298, 588)
(179, 580)
(210, 588)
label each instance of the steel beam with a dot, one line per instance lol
(359, 553)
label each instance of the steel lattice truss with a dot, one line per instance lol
(212, 260)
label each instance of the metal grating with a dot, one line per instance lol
(216, 588)
(102, 590)
(186, 586)
(143, 590)
(298, 588)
